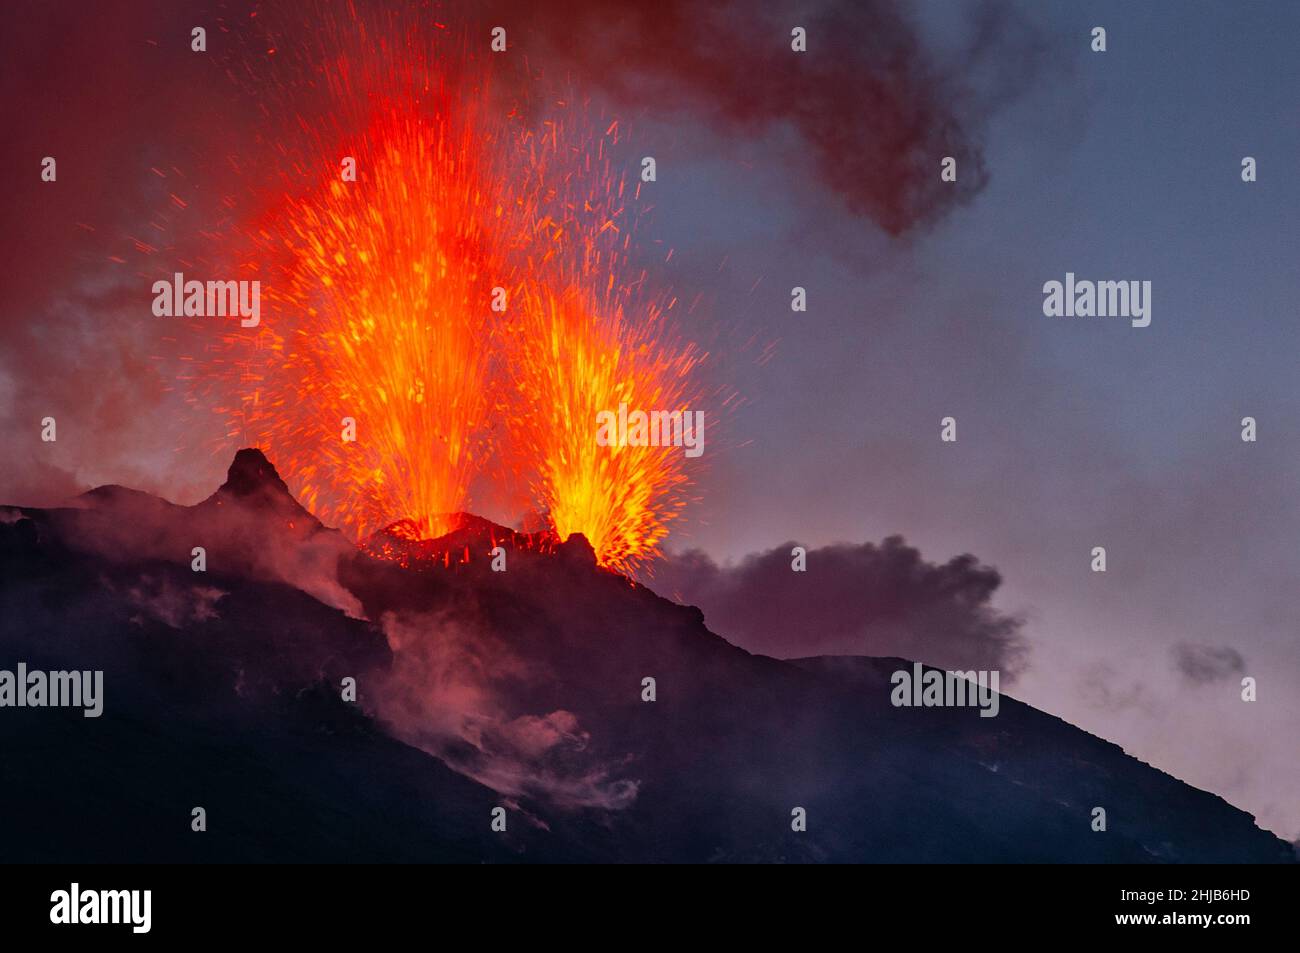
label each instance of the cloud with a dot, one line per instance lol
(864, 599)
(1109, 688)
(1202, 664)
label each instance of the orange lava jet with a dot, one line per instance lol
(379, 320)
(576, 354)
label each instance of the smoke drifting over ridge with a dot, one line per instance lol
(862, 599)
(446, 693)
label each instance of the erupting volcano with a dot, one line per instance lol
(477, 688)
(456, 314)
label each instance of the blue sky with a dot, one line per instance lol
(1073, 432)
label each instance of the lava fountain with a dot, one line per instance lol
(383, 382)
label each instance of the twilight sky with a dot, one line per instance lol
(1072, 432)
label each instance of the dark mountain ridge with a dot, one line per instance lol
(478, 688)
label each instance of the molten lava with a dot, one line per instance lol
(382, 306)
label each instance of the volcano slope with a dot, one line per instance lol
(474, 689)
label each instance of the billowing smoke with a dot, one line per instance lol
(251, 527)
(860, 599)
(872, 106)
